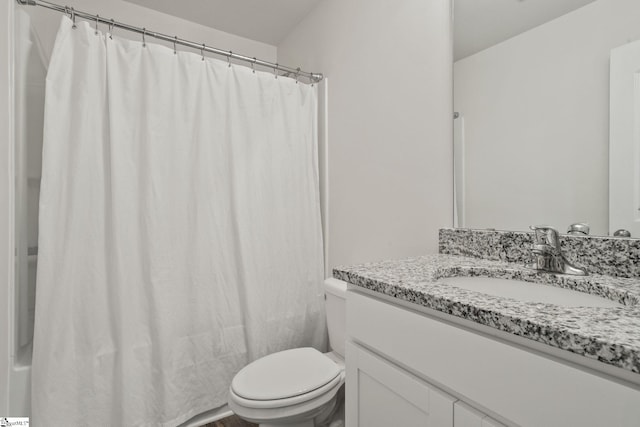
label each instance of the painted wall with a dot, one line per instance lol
(536, 115)
(47, 22)
(389, 120)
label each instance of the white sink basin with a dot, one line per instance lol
(529, 292)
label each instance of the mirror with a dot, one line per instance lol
(531, 92)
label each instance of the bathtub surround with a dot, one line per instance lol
(172, 188)
(611, 256)
(607, 335)
(7, 212)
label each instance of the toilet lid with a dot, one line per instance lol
(285, 374)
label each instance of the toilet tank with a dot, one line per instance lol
(335, 292)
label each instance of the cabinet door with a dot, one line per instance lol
(380, 394)
(466, 416)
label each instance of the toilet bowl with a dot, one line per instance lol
(297, 387)
(292, 387)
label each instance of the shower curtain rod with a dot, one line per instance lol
(287, 71)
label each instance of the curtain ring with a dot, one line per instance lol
(229, 58)
(144, 35)
(253, 65)
(97, 18)
(111, 26)
(73, 17)
(297, 74)
(202, 51)
(275, 70)
(175, 41)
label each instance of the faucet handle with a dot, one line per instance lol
(548, 254)
(546, 235)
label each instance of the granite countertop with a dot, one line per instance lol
(609, 335)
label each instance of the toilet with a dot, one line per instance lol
(297, 387)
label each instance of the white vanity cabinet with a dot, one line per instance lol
(386, 395)
(409, 367)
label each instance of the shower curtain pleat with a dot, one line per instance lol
(180, 232)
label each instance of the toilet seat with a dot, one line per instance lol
(286, 414)
(286, 378)
(290, 401)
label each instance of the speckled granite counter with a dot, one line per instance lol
(610, 335)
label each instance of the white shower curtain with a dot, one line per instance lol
(180, 231)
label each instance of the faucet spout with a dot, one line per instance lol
(548, 254)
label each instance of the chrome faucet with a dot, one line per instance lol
(547, 253)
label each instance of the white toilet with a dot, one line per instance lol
(298, 387)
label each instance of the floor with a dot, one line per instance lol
(231, 421)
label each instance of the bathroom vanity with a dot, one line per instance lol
(424, 352)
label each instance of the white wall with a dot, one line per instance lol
(47, 22)
(536, 113)
(389, 119)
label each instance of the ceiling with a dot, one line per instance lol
(268, 21)
(479, 24)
